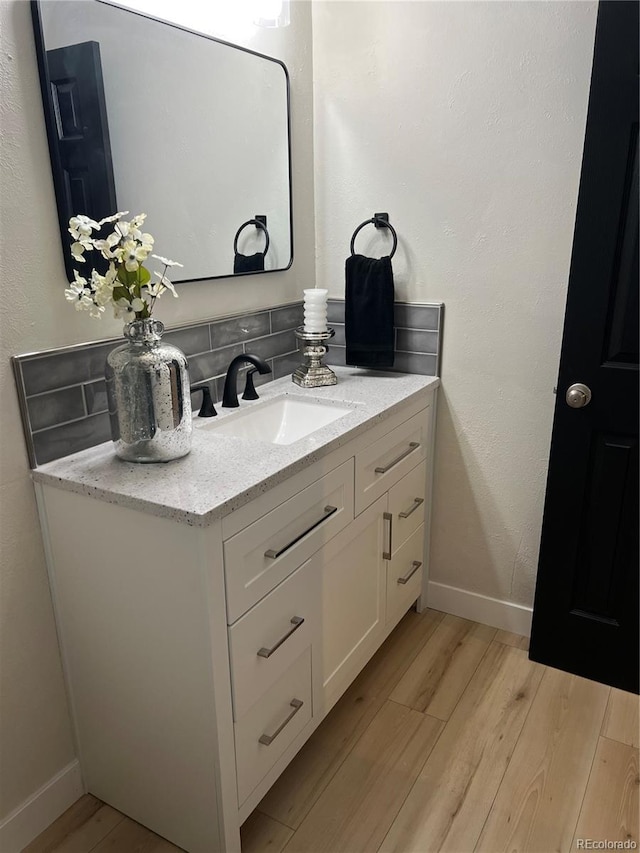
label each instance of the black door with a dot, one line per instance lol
(78, 131)
(585, 617)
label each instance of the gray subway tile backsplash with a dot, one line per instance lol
(403, 362)
(279, 344)
(415, 362)
(63, 393)
(191, 340)
(416, 340)
(289, 317)
(409, 316)
(236, 329)
(336, 355)
(95, 395)
(55, 407)
(213, 363)
(50, 444)
(418, 330)
(284, 364)
(335, 311)
(68, 367)
(338, 340)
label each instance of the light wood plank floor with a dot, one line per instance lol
(449, 740)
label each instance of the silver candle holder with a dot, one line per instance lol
(313, 373)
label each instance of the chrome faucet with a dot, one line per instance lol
(230, 393)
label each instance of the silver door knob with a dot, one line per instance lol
(578, 395)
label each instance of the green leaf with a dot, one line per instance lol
(120, 293)
(140, 276)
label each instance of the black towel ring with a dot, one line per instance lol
(379, 223)
(258, 224)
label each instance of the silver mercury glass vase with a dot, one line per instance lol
(149, 397)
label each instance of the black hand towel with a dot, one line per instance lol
(368, 315)
(248, 263)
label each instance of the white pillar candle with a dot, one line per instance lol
(315, 310)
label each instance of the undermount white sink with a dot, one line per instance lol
(282, 420)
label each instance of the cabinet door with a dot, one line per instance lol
(404, 576)
(407, 505)
(353, 600)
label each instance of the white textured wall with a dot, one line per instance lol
(35, 732)
(465, 121)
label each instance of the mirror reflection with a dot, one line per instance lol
(146, 116)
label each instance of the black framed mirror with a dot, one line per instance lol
(151, 117)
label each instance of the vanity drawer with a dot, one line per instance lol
(269, 550)
(272, 724)
(407, 505)
(265, 642)
(404, 576)
(387, 460)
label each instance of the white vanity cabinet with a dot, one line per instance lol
(199, 659)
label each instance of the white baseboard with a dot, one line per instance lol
(480, 608)
(43, 807)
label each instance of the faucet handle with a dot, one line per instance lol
(250, 392)
(207, 409)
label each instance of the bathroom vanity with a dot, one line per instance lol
(212, 610)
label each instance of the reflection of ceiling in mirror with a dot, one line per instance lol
(199, 134)
(227, 19)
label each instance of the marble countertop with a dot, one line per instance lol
(223, 472)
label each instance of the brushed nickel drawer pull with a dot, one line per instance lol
(267, 740)
(328, 512)
(386, 555)
(412, 446)
(296, 621)
(414, 568)
(416, 503)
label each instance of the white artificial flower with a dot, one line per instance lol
(167, 262)
(82, 226)
(102, 286)
(84, 302)
(105, 246)
(122, 308)
(123, 228)
(156, 289)
(137, 221)
(77, 250)
(111, 274)
(74, 292)
(126, 248)
(166, 284)
(96, 311)
(133, 254)
(113, 218)
(103, 295)
(79, 293)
